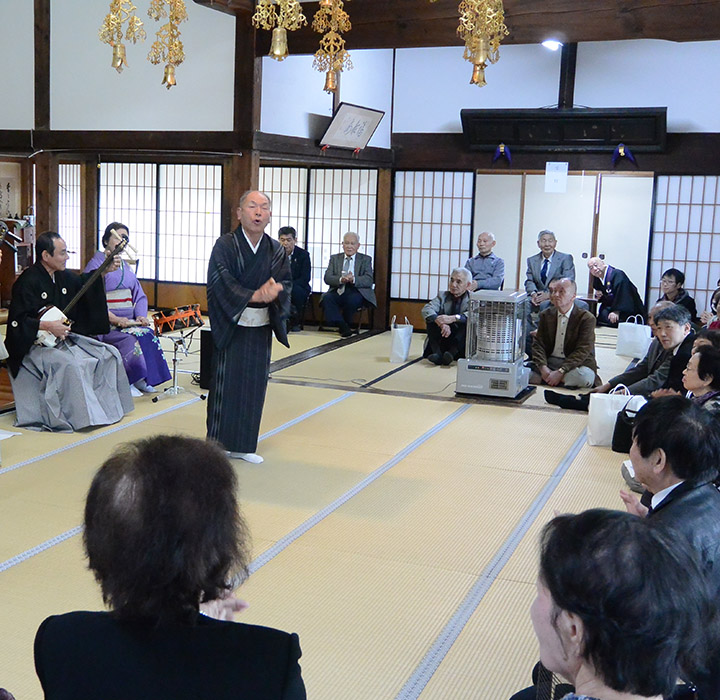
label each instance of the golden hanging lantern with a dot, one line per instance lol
(111, 32)
(119, 60)
(279, 45)
(331, 81)
(169, 76)
(167, 47)
(282, 16)
(331, 21)
(482, 27)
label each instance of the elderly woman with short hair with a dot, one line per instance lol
(163, 535)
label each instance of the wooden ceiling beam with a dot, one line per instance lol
(420, 23)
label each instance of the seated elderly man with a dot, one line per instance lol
(300, 269)
(619, 297)
(446, 320)
(660, 370)
(350, 277)
(486, 268)
(675, 454)
(563, 348)
(61, 379)
(545, 266)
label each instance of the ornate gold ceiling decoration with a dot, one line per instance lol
(167, 47)
(111, 32)
(282, 16)
(482, 28)
(331, 21)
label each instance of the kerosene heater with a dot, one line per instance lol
(495, 345)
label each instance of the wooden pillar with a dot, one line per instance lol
(242, 171)
(88, 208)
(42, 64)
(383, 248)
(46, 192)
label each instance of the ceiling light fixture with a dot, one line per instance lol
(552, 44)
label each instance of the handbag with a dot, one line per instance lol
(602, 414)
(633, 338)
(400, 339)
(624, 424)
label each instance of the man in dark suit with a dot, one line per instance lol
(350, 277)
(564, 346)
(675, 455)
(300, 269)
(446, 320)
(619, 297)
(546, 266)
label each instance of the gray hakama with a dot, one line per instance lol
(78, 384)
(241, 359)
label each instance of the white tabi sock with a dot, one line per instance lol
(247, 456)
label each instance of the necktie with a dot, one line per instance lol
(543, 271)
(346, 267)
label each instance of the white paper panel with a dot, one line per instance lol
(624, 224)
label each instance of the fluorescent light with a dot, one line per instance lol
(552, 44)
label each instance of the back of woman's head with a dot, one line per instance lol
(639, 592)
(162, 527)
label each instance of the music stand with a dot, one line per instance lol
(179, 338)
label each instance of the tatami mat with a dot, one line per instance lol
(373, 516)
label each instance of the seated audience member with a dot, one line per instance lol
(164, 538)
(709, 319)
(707, 336)
(671, 289)
(618, 296)
(446, 320)
(350, 277)
(131, 331)
(649, 374)
(544, 267)
(701, 378)
(300, 268)
(486, 268)
(675, 455)
(563, 348)
(74, 381)
(608, 586)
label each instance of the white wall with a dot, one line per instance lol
(433, 85)
(17, 65)
(650, 73)
(292, 91)
(87, 93)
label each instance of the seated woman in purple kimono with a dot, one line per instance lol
(130, 331)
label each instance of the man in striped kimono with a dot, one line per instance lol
(248, 291)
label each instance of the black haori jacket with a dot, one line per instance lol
(35, 289)
(227, 297)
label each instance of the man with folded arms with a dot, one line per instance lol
(446, 320)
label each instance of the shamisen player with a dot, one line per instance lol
(71, 381)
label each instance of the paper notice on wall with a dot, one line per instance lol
(556, 177)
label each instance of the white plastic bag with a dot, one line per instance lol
(633, 338)
(400, 339)
(602, 415)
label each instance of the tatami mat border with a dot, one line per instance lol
(37, 549)
(432, 660)
(301, 529)
(97, 436)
